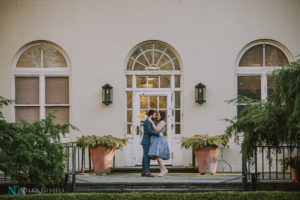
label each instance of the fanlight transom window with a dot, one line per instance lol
(263, 55)
(153, 56)
(41, 55)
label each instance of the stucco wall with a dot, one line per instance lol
(98, 35)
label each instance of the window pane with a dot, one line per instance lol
(167, 66)
(253, 57)
(129, 115)
(141, 82)
(177, 81)
(142, 59)
(130, 63)
(153, 82)
(176, 64)
(31, 57)
(177, 129)
(129, 81)
(27, 90)
(57, 90)
(177, 115)
(129, 129)
(30, 114)
(129, 99)
(143, 115)
(271, 84)
(177, 99)
(249, 86)
(60, 112)
(52, 57)
(144, 102)
(149, 56)
(165, 82)
(153, 102)
(138, 66)
(275, 56)
(162, 102)
(156, 56)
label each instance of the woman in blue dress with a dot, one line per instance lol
(159, 148)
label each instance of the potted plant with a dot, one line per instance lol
(294, 164)
(206, 149)
(102, 150)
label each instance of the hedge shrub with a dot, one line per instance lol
(163, 196)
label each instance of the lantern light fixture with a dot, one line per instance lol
(200, 93)
(107, 94)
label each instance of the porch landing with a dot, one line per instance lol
(176, 182)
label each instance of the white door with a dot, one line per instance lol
(143, 102)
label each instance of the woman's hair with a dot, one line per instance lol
(162, 115)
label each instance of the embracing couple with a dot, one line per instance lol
(155, 145)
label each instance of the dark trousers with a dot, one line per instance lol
(146, 159)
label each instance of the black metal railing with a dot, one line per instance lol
(70, 166)
(267, 165)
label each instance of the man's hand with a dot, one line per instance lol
(161, 135)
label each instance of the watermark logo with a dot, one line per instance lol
(13, 190)
(16, 189)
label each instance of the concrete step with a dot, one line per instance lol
(157, 187)
(154, 169)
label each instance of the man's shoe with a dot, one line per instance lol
(148, 175)
(143, 174)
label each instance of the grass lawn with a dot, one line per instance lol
(261, 195)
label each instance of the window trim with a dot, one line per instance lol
(42, 73)
(263, 71)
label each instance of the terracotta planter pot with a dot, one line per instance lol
(207, 159)
(102, 158)
(295, 171)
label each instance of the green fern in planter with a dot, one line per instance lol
(107, 140)
(198, 141)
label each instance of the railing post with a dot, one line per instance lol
(193, 159)
(90, 164)
(82, 159)
(74, 170)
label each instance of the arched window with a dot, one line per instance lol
(41, 72)
(255, 65)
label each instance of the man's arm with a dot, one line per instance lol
(149, 129)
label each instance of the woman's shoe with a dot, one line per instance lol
(161, 175)
(165, 171)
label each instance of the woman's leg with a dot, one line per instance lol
(161, 165)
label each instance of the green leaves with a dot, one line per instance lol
(198, 141)
(31, 152)
(273, 122)
(107, 140)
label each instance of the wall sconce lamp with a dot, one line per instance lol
(200, 93)
(107, 94)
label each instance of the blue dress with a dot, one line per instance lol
(159, 147)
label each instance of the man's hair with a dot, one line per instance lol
(151, 112)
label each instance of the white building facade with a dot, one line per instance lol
(57, 55)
